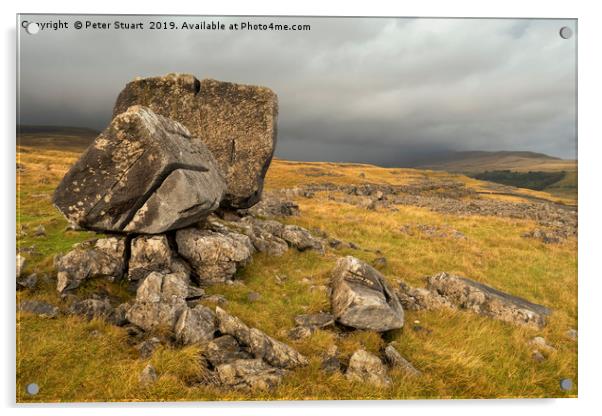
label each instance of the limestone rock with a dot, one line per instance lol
(102, 258)
(143, 174)
(485, 300)
(214, 256)
(367, 368)
(152, 253)
(148, 375)
(195, 325)
(236, 122)
(395, 359)
(160, 300)
(42, 309)
(315, 320)
(362, 299)
(224, 349)
(295, 236)
(416, 299)
(92, 308)
(147, 347)
(259, 344)
(249, 374)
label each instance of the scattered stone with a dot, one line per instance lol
(92, 308)
(28, 282)
(571, 334)
(101, 258)
(252, 374)
(148, 347)
(214, 256)
(119, 316)
(219, 300)
(73, 227)
(259, 344)
(362, 299)
(160, 300)
(42, 309)
(367, 368)
(550, 236)
(395, 359)
(380, 262)
(153, 253)
(537, 356)
(148, 376)
(224, 349)
(272, 205)
(541, 343)
(331, 365)
(20, 265)
(432, 231)
(315, 320)
(40, 231)
(236, 122)
(253, 296)
(143, 174)
(485, 300)
(300, 332)
(195, 325)
(293, 235)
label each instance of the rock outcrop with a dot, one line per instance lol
(236, 122)
(214, 256)
(101, 258)
(262, 346)
(362, 299)
(143, 174)
(153, 253)
(485, 300)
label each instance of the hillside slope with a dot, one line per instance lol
(437, 222)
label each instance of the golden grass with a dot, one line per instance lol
(464, 355)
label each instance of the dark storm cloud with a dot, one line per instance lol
(385, 91)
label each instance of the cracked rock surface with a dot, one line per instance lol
(362, 299)
(236, 122)
(143, 174)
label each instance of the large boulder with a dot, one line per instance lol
(362, 299)
(262, 346)
(143, 174)
(486, 300)
(236, 122)
(214, 256)
(101, 258)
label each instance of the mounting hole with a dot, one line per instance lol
(566, 32)
(32, 389)
(566, 384)
(32, 28)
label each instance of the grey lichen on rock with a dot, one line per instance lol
(143, 174)
(367, 368)
(238, 123)
(362, 299)
(101, 258)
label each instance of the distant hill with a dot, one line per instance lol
(480, 161)
(55, 137)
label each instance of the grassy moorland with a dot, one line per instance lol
(463, 355)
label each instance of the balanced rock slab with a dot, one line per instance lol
(143, 174)
(236, 122)
(488, 301)
(362, 299)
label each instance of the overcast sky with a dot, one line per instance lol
(380, 90)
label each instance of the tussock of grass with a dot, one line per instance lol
(463, 355)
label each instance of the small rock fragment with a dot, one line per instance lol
(42, 309)
(367, 368)
(148, 376)
(395, 359)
